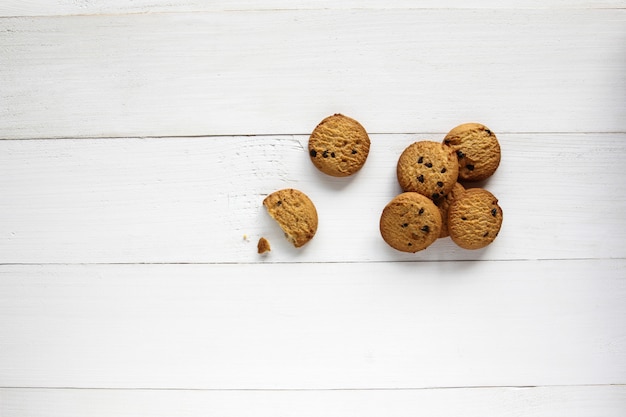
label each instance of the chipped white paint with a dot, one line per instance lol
(192, 200)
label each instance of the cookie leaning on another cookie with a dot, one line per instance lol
(339, 146)
(295, 213)
(474, 219)
(410, 222)
(428, 168)
(477, 149)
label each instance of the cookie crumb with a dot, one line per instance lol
(263, 245)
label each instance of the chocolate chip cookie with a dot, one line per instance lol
(295, 213)
(410, 222)
(339, 146)
(474, 219)
(428, 168)
(477, 150)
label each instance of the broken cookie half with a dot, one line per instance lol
(295, 213)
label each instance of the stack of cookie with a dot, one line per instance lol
(434, 202)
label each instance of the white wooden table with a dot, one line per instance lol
(140, 138)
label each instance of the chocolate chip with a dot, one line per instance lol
(278, 203)
(470, 167)
(435, 196)
(325, 154)
(488, 132)
(443, 170)
(447, 141)
(403, 225)
(460, 154)
(426, 229)
(353, 151)
(463, 218)
(439, 184)
(421, 211)
(332, 154)
(313, 153)
(486, 234)
(420, 159)
(494, 212)
(410, 244)
(428, 164)
(420, 178)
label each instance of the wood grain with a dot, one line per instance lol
(229, 73)
(605, 401)
(194, 199)
(313, 326)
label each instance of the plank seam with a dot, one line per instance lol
(293, 134)
(476, 387)
(309, 262)
(321, 9)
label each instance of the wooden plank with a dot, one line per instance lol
(10, 8)
(605, 401)
(194, 199)
(225, 73)
(314, 326)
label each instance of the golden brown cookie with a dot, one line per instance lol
(444, 204)
(410, 222)
(474, 219)
(477, 149)
(295, 214)
(339, 146)
(428, 168)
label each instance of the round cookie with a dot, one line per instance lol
(477, 149)
(339, 146)
(428, 168)
(474, 219)
(295, 213)
(410, 222)
(444, 204)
